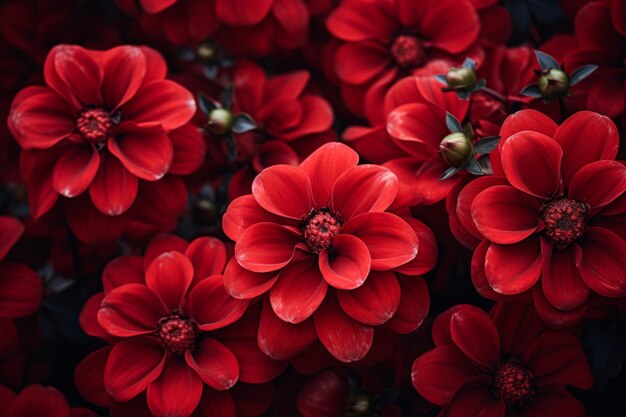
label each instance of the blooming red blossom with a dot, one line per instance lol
(318, 239)
(501, 364)
(390, 39)
(555, 210)
(37, 400)
(109, 124)
(166, 315)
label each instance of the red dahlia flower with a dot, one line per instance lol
(37, 400)
(501, 364)
(555, 210)
(388, 39)
(318, 239)
(164, 314)
(107, 123)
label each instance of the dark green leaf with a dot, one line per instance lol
(232, 147)
(469, 63)
(473, 167)
(449, 172)
(243, 122)
(227, 97)
(210, 71)
(531, 90)
(463, 94)
(442, 79)
(581, 73)
(485, 165)
(206, 103)
(546, 61)
(453, 124)
(486, 145)
(480, 84)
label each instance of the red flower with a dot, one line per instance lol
(605, 48)
(108, 123)
(385, 40)
(556, 212)
(167, 315)
(502, 364)
(318, 239)
(36, 400)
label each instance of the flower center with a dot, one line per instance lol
(320, 226)
(407, 51)
(177, 334)
(565, 220)
(513, 383)
(94, 124)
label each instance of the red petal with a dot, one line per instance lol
(124, 69)
(132, 365)
(359, 63)
(21, 292)
(210, 305)
(598, 183)
(505, 215)
(324, 166)
(89, 377)
(353, 22)
(562, 285)
(601, 262)
(160, 103)
(426, 255)
(466, 199)
(428, 370)
(532, 163)
(36, 400)
(176, 392)
(474, 333)
(347, 340)
(88, 317)
(255, 367)
(114, 189)
(317, 117)
(242, 213)
(512, 269)
(287, 86)
(413, 307)
(161, 244)
(390, 240)
(266, 247)
(555, 401)
(475, 398)
(441, 326)
(418, 127)
(169, 276)
(299, 291)
(585, 137)
(217, 404)
(362, 189)
(208, 256)
(428, 186)
(130, 310)
(241, 12)
(160, 201)
(10, 231)
(189, 149)
(10, 343)
(554, 317)
(156, 6)
(527, 119)
(558, 359)
(350, 264)
(241, 283)
(284, 190)
(145, 153)
(323, 396)
(450, 26)
(72, 69)
(374, 302)
(214, 363)
(281, 340)
(75, 170)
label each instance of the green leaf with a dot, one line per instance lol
(231, 146)
(473, 167)
(227, 97)
(206, 103)
(463, 94)
(480, 84)
(486, 145)
(531, 90)
(453, 124)
(581, 73)
(442, 79)
(449, 172)
(546, 61)
(243, 122)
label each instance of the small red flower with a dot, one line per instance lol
(318, 238)
(554, 210)
(168, 317)
(501, 364)
(37, 400)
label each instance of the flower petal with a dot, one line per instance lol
(266, 247)
(553, 402)
(374, 302)
(36, 400)
(114, 189)
(466, 199)
(474, 333)
(242, 213)
(284, 190)
(360, 62)
(145, 153)
(241, 283)
(562, 285)
(299, 291)
(215, 364)
(601, 262)
(169, 276)
(21, 291)
(349, 266)
(281, 340)
(11, 230)
(73, 69)
(512, 269)
(208, 257)
(176, 392)
(189, 149)
(426, 255)
(599, 183)
(413, 307)
(210, 305)
(241, 12)
(255, 367)
(75, 170)
(130, 310)
(476, 398)
(89, 377)
(124, 69)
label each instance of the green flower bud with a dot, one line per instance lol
(359, 406)
(461, 78)
(456, 149)
(207, 52)
(553, 83)
(220, 121)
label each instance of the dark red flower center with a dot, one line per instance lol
(513, 383)
(177, 334)
(94, 124)
(565, 220)
(320, 226)
(407, 51)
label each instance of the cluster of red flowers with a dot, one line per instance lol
(337, 208)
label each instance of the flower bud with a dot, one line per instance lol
(461, 78)
(207, 52)
(456, 149)
(553, 83)
(359, 405)
(220, 121)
